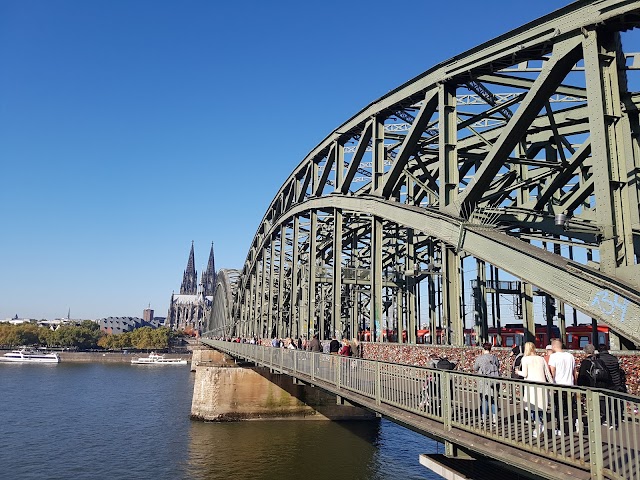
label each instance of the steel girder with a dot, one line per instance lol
(537, 172)
(589, 290)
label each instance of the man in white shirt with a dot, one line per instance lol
(562, 364)
(563, 369)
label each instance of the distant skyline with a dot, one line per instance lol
(130, 128)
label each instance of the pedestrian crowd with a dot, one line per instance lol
(599, 369)
(346, 347)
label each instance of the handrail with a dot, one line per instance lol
(567, 427)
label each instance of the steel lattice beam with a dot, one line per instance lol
(555, 160)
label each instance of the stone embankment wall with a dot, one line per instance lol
(464, 357)
(226, 391)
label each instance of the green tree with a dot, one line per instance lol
(146, 338)
(27, 334)
(46, 336)
(82, 337)
(90, 325)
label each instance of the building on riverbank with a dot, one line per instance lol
(125, 324)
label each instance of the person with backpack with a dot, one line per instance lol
(616, 374)
(616, 383)
(488, 365)
(516, 352)
(445, 364)
(593, 372)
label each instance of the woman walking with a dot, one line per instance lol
(535, 369)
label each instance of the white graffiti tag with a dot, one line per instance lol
(608, 302)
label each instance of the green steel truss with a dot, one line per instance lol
(537, 176)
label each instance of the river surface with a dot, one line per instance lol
(117, 421)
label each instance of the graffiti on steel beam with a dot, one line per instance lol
(609, 303)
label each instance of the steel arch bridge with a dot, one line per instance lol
(519, 157)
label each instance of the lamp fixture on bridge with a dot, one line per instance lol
(562, 220)
(430, 269)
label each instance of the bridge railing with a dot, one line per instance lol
(593, 429)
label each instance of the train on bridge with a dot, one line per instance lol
(508, 336)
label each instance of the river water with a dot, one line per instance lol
(118, 421)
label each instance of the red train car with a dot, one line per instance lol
(580, 335)
(512, 334)
(424, 336)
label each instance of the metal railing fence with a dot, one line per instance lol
(593, 429)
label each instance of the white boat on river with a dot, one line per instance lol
(25, 355)
(155, 359)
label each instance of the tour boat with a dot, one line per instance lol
(30, 356)
(155, 359)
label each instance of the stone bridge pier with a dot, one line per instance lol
(226, 390)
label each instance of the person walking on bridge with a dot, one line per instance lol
(487, 364)
(617, 383)
(516, 353)
(345, 350)
(334, 346)
(534, 369)
(548, 350)
(563, 369)
(314, 344)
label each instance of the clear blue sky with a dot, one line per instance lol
(129, 128)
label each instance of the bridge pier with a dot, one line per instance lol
(227, 391)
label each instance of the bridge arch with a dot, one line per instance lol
(226, 287)
(520, 157)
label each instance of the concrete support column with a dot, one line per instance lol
(224, 391)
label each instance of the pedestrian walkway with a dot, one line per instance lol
(445, 405)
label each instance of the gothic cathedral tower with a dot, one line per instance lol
(190, 277)
(191, 308)
(209, 276)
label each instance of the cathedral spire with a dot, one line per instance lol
(190, 277)
(209, 276)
